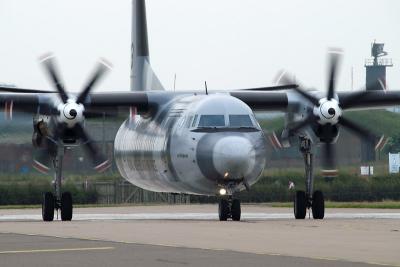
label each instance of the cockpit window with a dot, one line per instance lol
(212, 121)
(188, 121)
(240, 121)
(194, 121)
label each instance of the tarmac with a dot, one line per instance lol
(191, 235)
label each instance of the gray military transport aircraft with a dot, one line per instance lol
(188, 142)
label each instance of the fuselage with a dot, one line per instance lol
(195, 144)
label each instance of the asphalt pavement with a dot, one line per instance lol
(39, 251)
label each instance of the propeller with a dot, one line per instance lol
(70, 113)
(327, 115)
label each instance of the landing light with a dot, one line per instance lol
(222, 191)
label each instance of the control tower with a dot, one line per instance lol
(376, 67)
(375, 79)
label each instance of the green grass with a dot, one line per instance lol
(349, 205)
(10, 207)
(379, 121)
(22, 207)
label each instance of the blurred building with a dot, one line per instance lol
(17, 152)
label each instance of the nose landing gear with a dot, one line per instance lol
(50, 204)
(229, 208)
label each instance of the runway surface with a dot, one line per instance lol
(38, 251)
(194, 212)
(196, 216)
(192, 235)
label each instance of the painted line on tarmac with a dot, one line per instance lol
(54, 250)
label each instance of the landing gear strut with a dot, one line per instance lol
(59, 201)
(309, 198)
(229, 208)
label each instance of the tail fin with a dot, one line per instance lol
(142, 76)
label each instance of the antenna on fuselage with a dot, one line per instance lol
(174, 82)
(205, 84)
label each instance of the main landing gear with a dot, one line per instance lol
(58, 201)
(229, 208)
(310, 198)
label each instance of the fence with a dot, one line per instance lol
(121, 192)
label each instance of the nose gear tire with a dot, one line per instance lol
(236, 210)
(223, 210)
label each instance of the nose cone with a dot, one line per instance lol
(234, 157)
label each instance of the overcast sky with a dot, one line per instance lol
(230, 43)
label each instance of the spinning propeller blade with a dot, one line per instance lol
(327, 115)
(71, 115)
(49, 65)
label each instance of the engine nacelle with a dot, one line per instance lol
(327, 133)
(40, 131)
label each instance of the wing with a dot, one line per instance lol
(263, 100)
(44, 103)
(41, 101)
(259, 99)
(369, 99)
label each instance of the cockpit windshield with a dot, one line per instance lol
(228, 121)
(237, 121)
(212, 121)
